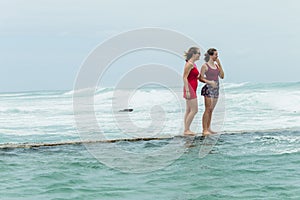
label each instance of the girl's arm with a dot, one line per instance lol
(221, 74)
(187, 68)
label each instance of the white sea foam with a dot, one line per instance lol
(258, 107)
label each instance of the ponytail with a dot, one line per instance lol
(209, 53)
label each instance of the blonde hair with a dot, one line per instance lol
(190, 53)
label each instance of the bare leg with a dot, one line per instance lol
(214, 103)
(192, 106)
(206, 118)
(187, 111)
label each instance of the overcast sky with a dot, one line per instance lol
(44, 43)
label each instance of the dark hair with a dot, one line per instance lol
(209, 52)
(190, 53)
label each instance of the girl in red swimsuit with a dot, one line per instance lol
(210, 73)
(190, 80)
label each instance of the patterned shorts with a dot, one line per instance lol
(208, 91)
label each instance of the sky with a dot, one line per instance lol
(44, 43)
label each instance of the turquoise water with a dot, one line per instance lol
(240, 166)
(256, 157)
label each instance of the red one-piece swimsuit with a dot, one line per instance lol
(193, 83)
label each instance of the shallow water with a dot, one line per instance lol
(240, 166)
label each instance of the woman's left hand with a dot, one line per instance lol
(218, 61)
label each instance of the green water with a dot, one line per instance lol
(240, 166)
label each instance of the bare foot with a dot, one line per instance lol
(189, 133)
(212, 132)
(205, 133)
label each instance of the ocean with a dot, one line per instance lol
(256, 154)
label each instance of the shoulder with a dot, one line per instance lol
(204, 67)
(189, 65)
